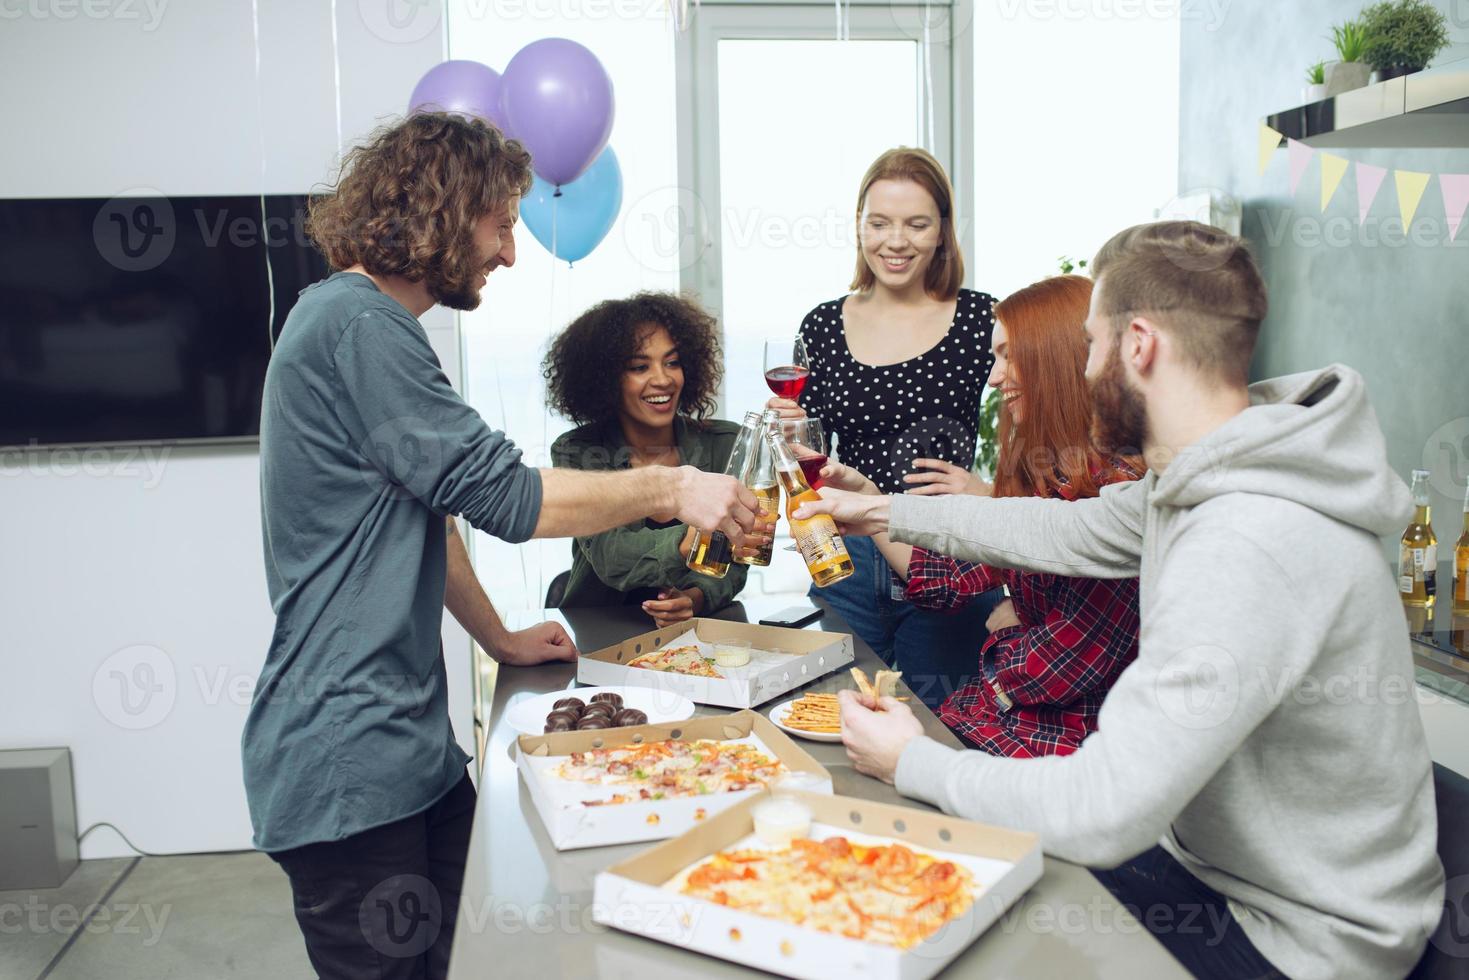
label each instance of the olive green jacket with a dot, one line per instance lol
(629, 564)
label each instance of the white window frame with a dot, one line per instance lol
(696, 64)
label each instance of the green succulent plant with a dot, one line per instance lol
(1403, 33)
(1350, 40)
(1316, 74)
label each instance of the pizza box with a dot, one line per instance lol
(570, 824)
(633, 895)
(781, 660)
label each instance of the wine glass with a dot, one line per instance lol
(807, 440)
(786, 366)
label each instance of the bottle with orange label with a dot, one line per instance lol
(1418, 550)
(816, 537)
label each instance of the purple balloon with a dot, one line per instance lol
(465, 87)
(558, 102)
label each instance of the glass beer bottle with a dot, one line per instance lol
(710, 552)
(1418, 550)
(1461, 565)
(760, 477)
(820, 545)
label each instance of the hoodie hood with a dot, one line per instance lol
(1311, 438)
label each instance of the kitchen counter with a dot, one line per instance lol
(527, 908)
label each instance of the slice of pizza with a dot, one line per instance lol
(677, 660)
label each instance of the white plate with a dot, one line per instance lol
(529, 716)
(778, 714)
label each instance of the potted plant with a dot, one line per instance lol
(1402, 36)
(1350, 41)
(1315, 89)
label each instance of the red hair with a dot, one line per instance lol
(1051, 444)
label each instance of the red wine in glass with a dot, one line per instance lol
(811, 469)
(786, 366)
(787, 381)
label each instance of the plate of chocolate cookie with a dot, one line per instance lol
(586, 708)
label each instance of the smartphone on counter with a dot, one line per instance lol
(792, 616)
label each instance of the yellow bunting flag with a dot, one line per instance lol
(1411, 186)
(1269, 143)
(1333, 169)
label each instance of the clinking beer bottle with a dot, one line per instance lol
(710, 553)
(817, 538)
(760, 477)
(1418, 550)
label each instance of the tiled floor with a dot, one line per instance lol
(188, 917)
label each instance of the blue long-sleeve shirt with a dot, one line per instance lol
(364, 449)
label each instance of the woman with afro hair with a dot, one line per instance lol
(639, 376)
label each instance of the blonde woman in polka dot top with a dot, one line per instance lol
(898, 369)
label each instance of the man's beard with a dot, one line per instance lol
(461, 294)
(1119, 414)
(457, 287)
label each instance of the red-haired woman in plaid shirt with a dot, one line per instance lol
(1057, 644)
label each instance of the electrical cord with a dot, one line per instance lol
(118, 831)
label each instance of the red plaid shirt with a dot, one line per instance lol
(1041, 683)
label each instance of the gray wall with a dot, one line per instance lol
(1394, 307)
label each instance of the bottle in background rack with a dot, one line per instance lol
(711, 553)
(760, 477)
(1418, 550)
(1461, 565)
(820, 545)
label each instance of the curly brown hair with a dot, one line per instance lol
(583, 367)
(406, 202)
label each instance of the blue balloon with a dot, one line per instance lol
(578, 220)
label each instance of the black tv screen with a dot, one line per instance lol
(141, 319)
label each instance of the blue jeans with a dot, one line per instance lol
(1188, 917)
(937, 652)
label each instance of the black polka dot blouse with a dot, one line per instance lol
(885, 417)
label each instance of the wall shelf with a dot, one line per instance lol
(1426, 109)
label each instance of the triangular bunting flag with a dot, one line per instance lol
(1455, 189)
(1300, 156)
(1269, 143)
(1333, 169)
(1411, 186)
(1369, 180)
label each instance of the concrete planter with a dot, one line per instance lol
(1343, 76)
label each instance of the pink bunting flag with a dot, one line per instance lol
(1369, 181)
(1455, 189)
(1300, 155)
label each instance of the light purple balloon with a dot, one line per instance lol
(558, 102)
(466, 87)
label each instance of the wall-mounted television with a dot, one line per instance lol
(144, 319)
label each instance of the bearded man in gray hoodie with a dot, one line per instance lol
(1263, 760)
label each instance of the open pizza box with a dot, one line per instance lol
(570, 823)
(635, 896)
(781, 660)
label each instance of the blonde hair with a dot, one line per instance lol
(946, 272)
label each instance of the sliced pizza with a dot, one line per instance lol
(887, 894)
(678, 660)
(672, 768)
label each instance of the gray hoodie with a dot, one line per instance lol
(1268, 731)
